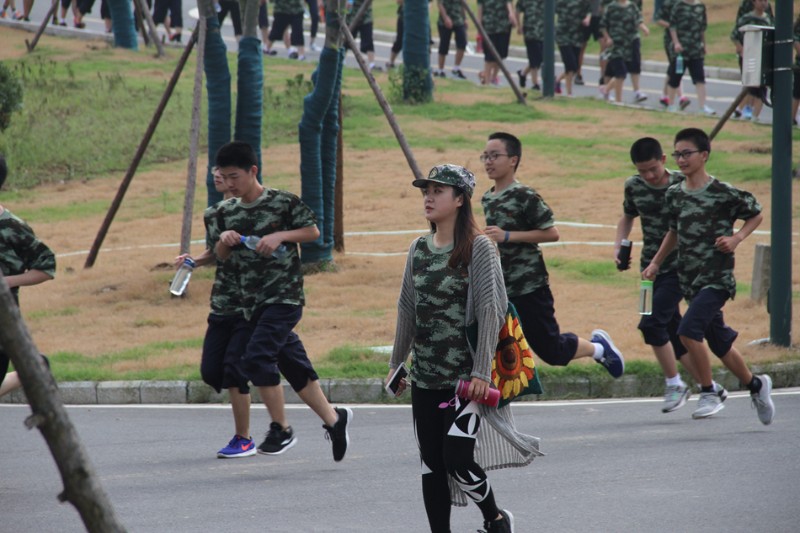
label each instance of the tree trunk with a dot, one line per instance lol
(417, 82)
(122, 24)
(82, 488)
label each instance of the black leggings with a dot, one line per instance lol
(446, 438)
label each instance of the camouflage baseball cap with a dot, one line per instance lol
(453, 175)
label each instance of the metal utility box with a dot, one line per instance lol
(757, 55)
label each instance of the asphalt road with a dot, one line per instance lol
(611, 466)
(720, 92)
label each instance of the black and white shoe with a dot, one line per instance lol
(278, 440)
(338, 433)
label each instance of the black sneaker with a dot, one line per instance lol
(338, 433)
(278, 440)
(536, 87)
(579, 80)
(458, 74)
(504, 525)
(522, 78)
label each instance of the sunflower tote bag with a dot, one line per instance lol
(514, 371)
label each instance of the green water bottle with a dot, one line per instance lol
(646, 297)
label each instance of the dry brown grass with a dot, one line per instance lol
(123, 301)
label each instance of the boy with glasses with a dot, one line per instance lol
(644, 198)
(518, 220)
(702, 212)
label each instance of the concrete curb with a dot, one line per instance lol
(359, 391)
(517, 52)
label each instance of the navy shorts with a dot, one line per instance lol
(175, 14)
(281, 21)
(569, 56)
(695, 67)
(592, 30)
(534, 49)
(616, 68)
(365, 31)
(796, 85)
(275, 349)
(500, 42)
(223, 347)
(4, 363)
(538, 318)
(263, 16)
(444, 38)
(662, 326)
(703, 319)
(634, 66)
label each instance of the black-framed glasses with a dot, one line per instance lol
(491, 157)
(686, 154)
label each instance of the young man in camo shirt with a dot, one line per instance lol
(519, 220)
(702, 211)
(271, 290)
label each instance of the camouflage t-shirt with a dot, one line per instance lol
(225, 291)
(366, 19)
(533, 22)
(570, 13)
(664, 14)
(749, 18)
(689, 22)
(454, 10)
(290, 7)
(21, 251)
(441, 354)
(622, 23)
(495, 16)
(646, 201)
(266, 280)
(699, 217)
(747, 6)
(519, 208)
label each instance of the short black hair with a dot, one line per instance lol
(695, 136)
(237, 154)
(646, 149)
(513, 145)
(3, 170)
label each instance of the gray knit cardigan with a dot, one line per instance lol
(499, 444)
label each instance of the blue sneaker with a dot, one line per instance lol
(238, 447)
(612, 358)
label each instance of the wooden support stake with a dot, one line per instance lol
(143, 9)
(137, 158)
(30, 46)
(728, 112)
(762, 263)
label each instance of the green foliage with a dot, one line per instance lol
(352, 362)
(409, 85)
(10, 96)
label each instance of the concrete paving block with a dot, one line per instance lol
(356, 391)
(159, 392)
(15, 397)
(566, 389)
(199, 392)
(78, 392)
(119, 392)
(289, 395)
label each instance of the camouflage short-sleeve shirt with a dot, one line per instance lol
(749, 18)
(290, 7)
(699, 217)
(664, 14)
(533, 21)
(21, 250)
(646, 201)
(441, 354)
(225, 290)
(622, 24)
(570, 13)
(689, 22)
(366, 19)
(495, 16)
(454, 10)
(519, 208)
(266, 280)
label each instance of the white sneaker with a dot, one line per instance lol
(708, 111)
(708, 404)
(313, 47)
(675, 397)
(762, 401)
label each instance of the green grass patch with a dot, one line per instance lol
(50, 313)
(602, 272)
(352, 362)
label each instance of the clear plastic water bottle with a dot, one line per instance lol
(646, 297)
(251, 241)
(182, 276)
(679, 64)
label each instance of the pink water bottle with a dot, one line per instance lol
(462, 387)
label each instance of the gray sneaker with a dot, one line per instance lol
(708, 404)
(763, 402)
(721, 392)
(675, 397)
